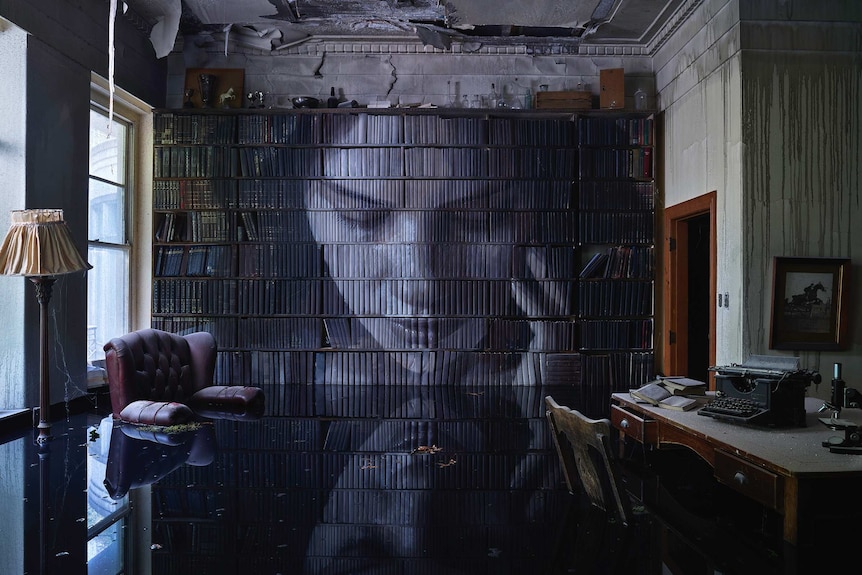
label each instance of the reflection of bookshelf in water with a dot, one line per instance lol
(290, 498)
(234, 193)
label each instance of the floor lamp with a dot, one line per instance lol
(39, 247)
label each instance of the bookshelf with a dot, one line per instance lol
(396, 279)
(616, 217)
(275, 230)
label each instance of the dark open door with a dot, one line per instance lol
(690, 289)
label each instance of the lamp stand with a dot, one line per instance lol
(44, 287)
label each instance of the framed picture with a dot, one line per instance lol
(204, 88)
(809, 303)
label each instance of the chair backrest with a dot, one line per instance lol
(152, 364)
(588, 461)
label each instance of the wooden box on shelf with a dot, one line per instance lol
(565, 100)
(612, 88)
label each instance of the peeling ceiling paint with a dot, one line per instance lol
(435, 22)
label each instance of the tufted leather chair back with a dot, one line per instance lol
(156, 365)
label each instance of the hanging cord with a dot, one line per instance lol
(112, 17)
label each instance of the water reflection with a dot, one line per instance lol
(141, 455)
(291, 495)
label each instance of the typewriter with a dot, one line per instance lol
(765, 390)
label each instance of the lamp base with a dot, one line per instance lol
(44, 287)
(44, 431)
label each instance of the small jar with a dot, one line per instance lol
(640, 99)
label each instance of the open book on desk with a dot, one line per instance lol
(659, 395)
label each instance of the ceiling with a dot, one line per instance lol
(271, 24)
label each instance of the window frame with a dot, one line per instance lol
(139, 116)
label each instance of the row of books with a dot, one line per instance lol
(611, 334)
(365, 128)
(194, 226)
(361, 128)
(278, 128)
(269, 161)
(616, 131)
(516, 194)
(616, 195)
(280, 332)
(194, 261)
(303, 261)
(191, 296)
(438, 193)
(223, 328)
(279, 260)
(194, 194)
(193, 162)
(609, 163)
(278, 297)
(616, 227)
(256, 162)
(621, 262)
(441, 226)
(549, 163)
(634, 298)
(171, 128)
(458, 297)
(457, 261)
(316, 194)
(555, 132)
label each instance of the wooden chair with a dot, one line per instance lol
(587, 458)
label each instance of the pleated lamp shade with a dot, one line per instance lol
(39, 244)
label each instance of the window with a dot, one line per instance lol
(109, 245)
(118, 148)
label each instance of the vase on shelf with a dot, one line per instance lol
(208, 86)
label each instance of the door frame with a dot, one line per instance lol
(675, 283)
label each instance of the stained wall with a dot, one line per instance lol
(761, 103)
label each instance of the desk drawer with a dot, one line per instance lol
(748, 479)
(635, 426)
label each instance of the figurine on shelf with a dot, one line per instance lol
(256, 99)
(208, 86)
(188, 103)
(226, 98)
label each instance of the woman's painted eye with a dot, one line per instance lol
(365, 220)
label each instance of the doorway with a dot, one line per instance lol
(690, 288)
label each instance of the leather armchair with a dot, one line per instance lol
(161, 378)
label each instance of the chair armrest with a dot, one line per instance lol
(148, 412)
(202, 351)
(229, 402)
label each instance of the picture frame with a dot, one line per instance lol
(223, 80)
(809, 303)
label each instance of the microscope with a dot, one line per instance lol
(842, 397)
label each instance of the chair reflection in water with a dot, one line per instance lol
(139, 456)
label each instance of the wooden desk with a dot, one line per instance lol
(786, 469)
